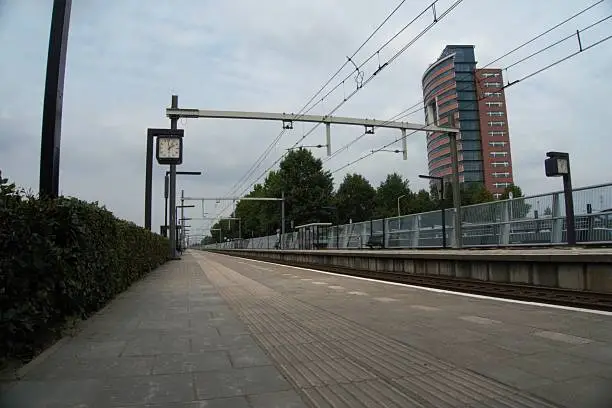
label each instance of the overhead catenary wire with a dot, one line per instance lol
(520, 80)
(419, 104)
(305, 109)
(404, 114)
(369, 79)
(531, 40)
(380, 68)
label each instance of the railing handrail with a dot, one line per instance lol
(363, 228)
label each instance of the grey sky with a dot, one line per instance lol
(125, 59)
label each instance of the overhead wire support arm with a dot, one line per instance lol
(290, 117)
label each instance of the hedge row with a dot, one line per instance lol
(60, 259)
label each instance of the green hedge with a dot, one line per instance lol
(61, 259)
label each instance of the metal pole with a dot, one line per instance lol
(173, 125)
(337, 229)
(182, 217)
(53, 97)
(282, 219)
(455, 182)
(166, 187)
(149, 181)
(328, 138)
(569, 206)
(398, 206)
(443, 210)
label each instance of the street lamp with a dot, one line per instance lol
(398, 204)
(442, 210)
(167, 188)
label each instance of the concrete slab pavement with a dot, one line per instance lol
(215, 331)
(559, 355)
(169, 341)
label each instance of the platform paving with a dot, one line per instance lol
(563, 357)
(169, 341)
(216, 331)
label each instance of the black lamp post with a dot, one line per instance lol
(442, 209)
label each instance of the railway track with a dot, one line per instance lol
(531, 293)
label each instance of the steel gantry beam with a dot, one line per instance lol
(289, 118)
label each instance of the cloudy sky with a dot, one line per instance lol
(125, 60)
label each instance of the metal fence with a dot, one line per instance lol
(534, 220)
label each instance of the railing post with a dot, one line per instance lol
(504, 236)
(385, 235)
(453, 236)
(416, 230)
(556, 233)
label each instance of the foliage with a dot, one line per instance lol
(355, 199)
(307, 188)
(387, 195)
(520, 208)
(309, 195)
(62, 258)
(515, 190)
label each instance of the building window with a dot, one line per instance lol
(501, 164)
(489, 94)
(498, 154)
(497, 196)
(492, 84)
(470, 145)
(470, 135)
(495, 113)
(498, 123)
(496, 144)
(498, 104)
(501, 185)
(490, 74)
(497, 133)
(501, 174)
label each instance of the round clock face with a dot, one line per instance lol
(169, 148)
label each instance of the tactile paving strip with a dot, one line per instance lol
(337, 363)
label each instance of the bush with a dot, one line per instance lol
(62, 258)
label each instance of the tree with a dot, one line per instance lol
(355, 199)
(547, 212)
(423, 202)
(388, 193)
(520, 208)
(308, 188)
(515, 190)
(471, 193)
(475, 193)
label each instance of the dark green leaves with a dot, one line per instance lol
(62, 258)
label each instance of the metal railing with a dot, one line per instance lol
(524, 221)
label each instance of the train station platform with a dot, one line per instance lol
(216, 331)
